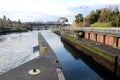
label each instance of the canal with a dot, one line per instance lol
(75, 64)
(16, 49)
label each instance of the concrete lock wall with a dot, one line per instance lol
(106, 40)
(109, 40)
(118, 69)
(102, 57)
(100, 38)
(86, 35)
(103, 38)
(119, 42)
(92, 36)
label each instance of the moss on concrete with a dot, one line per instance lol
(119, 60)
(93, 49)
(56, 31)
(104, 58)
(99, 52)
(73, 40)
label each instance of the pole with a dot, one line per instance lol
(117, 20)
(84, 21)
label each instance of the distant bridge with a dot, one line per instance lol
(45, 25)
(50, 24)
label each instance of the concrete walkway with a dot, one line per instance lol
(48, 65)
(102, 47)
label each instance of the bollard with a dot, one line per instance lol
(34, 72)
(80, 33)
(42, 50)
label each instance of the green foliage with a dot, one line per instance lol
(93, 17)
(113, 23)
(78, 18)
(104, 17)
(99, 24)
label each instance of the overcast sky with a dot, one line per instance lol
(35, 10)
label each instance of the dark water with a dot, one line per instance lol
(75, 64)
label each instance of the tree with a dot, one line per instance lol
(105, 15)
(19, 21)
(96, 15)
(109, 14)
(115, 17)
(92, 17)
(4, 17)
(78, 18)
(1, 23)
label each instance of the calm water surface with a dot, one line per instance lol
(73, 68)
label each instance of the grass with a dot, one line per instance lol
(99, 24)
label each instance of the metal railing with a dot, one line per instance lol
(111, 30)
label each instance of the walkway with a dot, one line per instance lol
(48, 65)
(102, 47)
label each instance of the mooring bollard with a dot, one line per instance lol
(34, 71)
(42, 50)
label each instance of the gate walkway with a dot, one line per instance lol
(44, 67)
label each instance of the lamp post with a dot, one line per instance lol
(83, 10)
(117, 14)
(83, 21)
(118, 17)
(117, 21)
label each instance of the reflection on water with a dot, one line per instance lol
(100, 70)
(74, 68)
(75, 64)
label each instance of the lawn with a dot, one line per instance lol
(99, 24)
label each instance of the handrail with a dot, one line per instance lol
(111, 30)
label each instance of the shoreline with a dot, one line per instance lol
(5, 32)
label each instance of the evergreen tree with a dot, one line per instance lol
(78, 18)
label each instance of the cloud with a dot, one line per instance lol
(94, 2)
(43, 6)
(33, 10)
(86, 9)
(29, 16)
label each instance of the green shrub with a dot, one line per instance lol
(99, 24)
